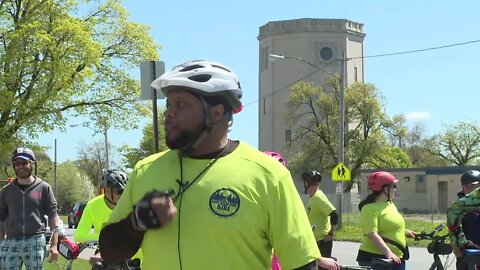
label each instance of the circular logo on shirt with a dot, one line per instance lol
(224, 202)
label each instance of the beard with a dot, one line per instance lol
(185, 139)
(23, 173)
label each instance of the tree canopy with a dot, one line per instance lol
(458, 144)
(314, 114)
(131, 155)
(61, 59)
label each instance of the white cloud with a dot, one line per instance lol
(418, 116)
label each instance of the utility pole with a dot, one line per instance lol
(105, 134)
(55, 168)
(156, 146)
(341, 133)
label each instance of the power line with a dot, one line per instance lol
(368, 56)
(419, 50)
(292, 83)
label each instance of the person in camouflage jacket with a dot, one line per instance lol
(460, 208)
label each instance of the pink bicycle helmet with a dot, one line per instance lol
(379, 179)
(276, 156)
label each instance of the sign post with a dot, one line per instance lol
(339, 174)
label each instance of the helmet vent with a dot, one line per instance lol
(192, 67)
(226, 69)
(201, 78)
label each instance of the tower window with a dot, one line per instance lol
(326, 53)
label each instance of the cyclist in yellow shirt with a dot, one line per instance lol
(321, 213)
(97, 211)
(209, 202)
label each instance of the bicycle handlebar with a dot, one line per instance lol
(432, 235)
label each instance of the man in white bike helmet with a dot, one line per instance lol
(209, 202)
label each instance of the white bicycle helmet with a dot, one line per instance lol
(204, 78)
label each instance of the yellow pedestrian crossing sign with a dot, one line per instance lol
(341, 173)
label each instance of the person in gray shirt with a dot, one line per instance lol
(23, 204)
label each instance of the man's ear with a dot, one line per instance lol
(217, 112)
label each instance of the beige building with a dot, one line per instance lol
(315, 43)
(423, 189)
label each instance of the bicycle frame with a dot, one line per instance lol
(437, 246)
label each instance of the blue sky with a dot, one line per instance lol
(435, 87)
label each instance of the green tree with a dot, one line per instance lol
(314, 114)
(72, 186)
(458, 144)
(61, 59)
(413, 141)
(91, 161)
(131, 155)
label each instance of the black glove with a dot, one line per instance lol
(143, 214)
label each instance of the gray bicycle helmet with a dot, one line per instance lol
(114, 179)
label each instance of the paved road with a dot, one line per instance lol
(346, 252)
(420, 259)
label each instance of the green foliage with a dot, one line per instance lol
(59, 60)
(72, 186)
(458, 144)
(91, 161)
(131, 155)
(390, 157)
(314, 114)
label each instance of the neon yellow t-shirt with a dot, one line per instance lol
(96, 214)
(318, 211)
(383, 218)
(229, 218)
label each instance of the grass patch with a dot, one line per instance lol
(78, 264)
(351, 230)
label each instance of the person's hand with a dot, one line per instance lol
(395, 258)
(328, 263)
(412, 234)
(154, 210)
(328, 237)
(164, 209)
(458, 253)
(470, 244)
(95, 258)
(53, 254)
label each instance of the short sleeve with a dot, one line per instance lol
(289, 229)
(368, 220)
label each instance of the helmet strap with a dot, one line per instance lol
(207, 128)
(111, 200)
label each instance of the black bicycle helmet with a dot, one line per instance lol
(312, 176)
(114, 179)
(470, 177)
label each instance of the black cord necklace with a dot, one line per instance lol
(184, 186)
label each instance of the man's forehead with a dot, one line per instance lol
(181, 93)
